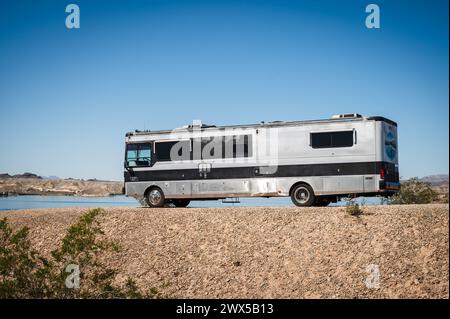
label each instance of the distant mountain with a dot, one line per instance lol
(27, 175)
(436, 180)
(24, 175)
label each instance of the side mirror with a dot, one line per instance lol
(127, 167)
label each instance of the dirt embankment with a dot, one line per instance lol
(388, 252)
(35, 186)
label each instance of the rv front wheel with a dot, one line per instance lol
(302, 195)
(155, 197)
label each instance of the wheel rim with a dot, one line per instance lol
(302, 195)
(154, 197)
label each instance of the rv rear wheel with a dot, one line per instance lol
(302, 195)
(181, 202)
(155, 197)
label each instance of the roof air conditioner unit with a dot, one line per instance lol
(345, 116)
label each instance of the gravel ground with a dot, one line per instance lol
(269, 252)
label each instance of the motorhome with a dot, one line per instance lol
(315, 162)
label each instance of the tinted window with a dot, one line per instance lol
(212, 147)
(342, 139)
(205, 148)
(237, 146)
(242, 146)
(222, 147)
(228, 147)
(138, 155)
(332, 139)
(180, 151)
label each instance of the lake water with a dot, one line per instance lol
(37, 201)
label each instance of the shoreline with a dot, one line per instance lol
(57, 194)
(58, 187)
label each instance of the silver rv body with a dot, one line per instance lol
(345, 155)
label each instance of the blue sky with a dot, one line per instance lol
(67, 97)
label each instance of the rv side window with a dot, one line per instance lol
(212, 147)
(242, 146)
(332, 139)
(139, 155)
(173, 151)
(237, 146)
(228, 148)
(231, 146)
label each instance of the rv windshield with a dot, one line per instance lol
(139, 155)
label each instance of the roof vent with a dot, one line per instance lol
(195, 124)
(346, 116)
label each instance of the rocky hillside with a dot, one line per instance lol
(436, 180)
(40, 186)
(24, 175)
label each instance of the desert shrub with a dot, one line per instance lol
(352, 207)
(414, 191)
(26, 274)
(23, 273)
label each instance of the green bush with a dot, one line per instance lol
(26, 274)
(353, 208)
(414, 191)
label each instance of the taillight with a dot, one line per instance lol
(382, 173)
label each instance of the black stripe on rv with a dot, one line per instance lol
(358, 168)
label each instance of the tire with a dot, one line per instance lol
(181, 202)
(302, 195)
(155, 197)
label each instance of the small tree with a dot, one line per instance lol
(352, 207)
(414, 191)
